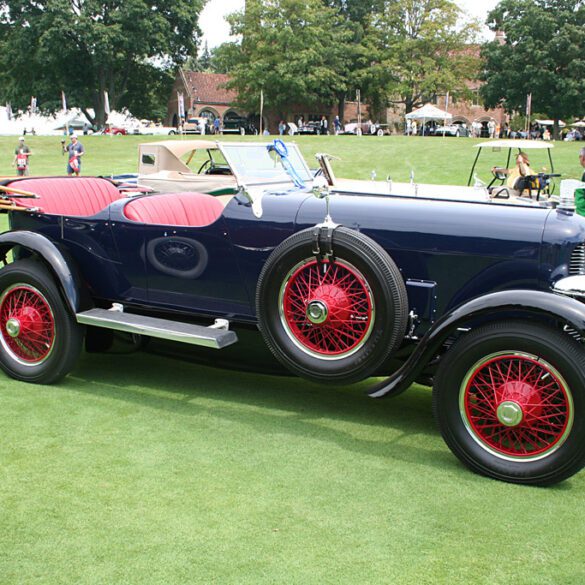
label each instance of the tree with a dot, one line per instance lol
(356, 17)
(202, 62)
(543, 54)
(418, 51)
(293, 51)
(87, 47)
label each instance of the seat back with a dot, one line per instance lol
(178, 209)
(75, 196)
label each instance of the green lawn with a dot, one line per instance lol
(139, 469)
(437, 160)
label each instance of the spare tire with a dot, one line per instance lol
(333, 319)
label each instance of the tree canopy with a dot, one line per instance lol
(543, 54)
(401, 51)
(293, 51)
(420, 50)
(87, 47)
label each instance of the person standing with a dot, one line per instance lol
(217, 125)
(337, 125)
(74, 151)
(580, 193)
(21, 154)
(323, 126)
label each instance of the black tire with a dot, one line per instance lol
(40, 341)
(172, 132)
(509, 399)
(359, 310)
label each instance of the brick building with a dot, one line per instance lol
(205, 95)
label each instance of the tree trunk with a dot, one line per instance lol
(556, 129)
(341, 107)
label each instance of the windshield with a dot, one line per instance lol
(254, 164)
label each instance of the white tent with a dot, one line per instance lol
(550, 123)
(429, 112)
(579, 124)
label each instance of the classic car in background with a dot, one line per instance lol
(451, 130)
(238, 125)
(367, 129)
(309, 128)
(481, 299)
(196, 125)
(186, 165)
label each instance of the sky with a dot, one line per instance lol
(216, 30)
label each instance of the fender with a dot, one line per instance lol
(56, 260)
(524, 302)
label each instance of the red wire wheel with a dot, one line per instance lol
(27, 324)
(327, 308)
(517, 406)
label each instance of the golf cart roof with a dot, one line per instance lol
(520, 144)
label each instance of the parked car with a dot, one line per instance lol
(238, 125)
(310, 128)
(148, 128)
(451, 130)
(480, 298)
(195, 126)
(366, 129)
(115, 130)
(184, 165)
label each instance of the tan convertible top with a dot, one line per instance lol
(166, 155)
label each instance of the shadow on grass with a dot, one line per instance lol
(401, 429)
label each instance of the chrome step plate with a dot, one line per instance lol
(161, 328)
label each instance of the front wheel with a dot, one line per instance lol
(509, 400)
(40, 340)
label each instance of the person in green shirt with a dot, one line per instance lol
(580, 193)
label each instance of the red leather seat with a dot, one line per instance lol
(181, 209)
(77, 196)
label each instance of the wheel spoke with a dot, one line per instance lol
(344, 301)
(529, 392)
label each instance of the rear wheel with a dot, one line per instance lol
(335, 319)
(40, 340)
(510, 403)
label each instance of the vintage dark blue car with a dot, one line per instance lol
(481, 298)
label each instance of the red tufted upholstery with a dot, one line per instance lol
(181, 209)
(78, 196)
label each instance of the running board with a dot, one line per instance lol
(216, 337)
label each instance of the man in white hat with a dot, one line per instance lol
(75, 151)
(21, 154)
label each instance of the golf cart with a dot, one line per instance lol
(541, 184)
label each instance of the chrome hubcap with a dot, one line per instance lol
(317, 312)
(13, 327)
(510, 413)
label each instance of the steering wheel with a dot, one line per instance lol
(280, 148)
(203, 167)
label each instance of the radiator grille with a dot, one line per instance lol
(577, 265)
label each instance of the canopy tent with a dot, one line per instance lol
(579, 124)
(550, 123)
(429, 112)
